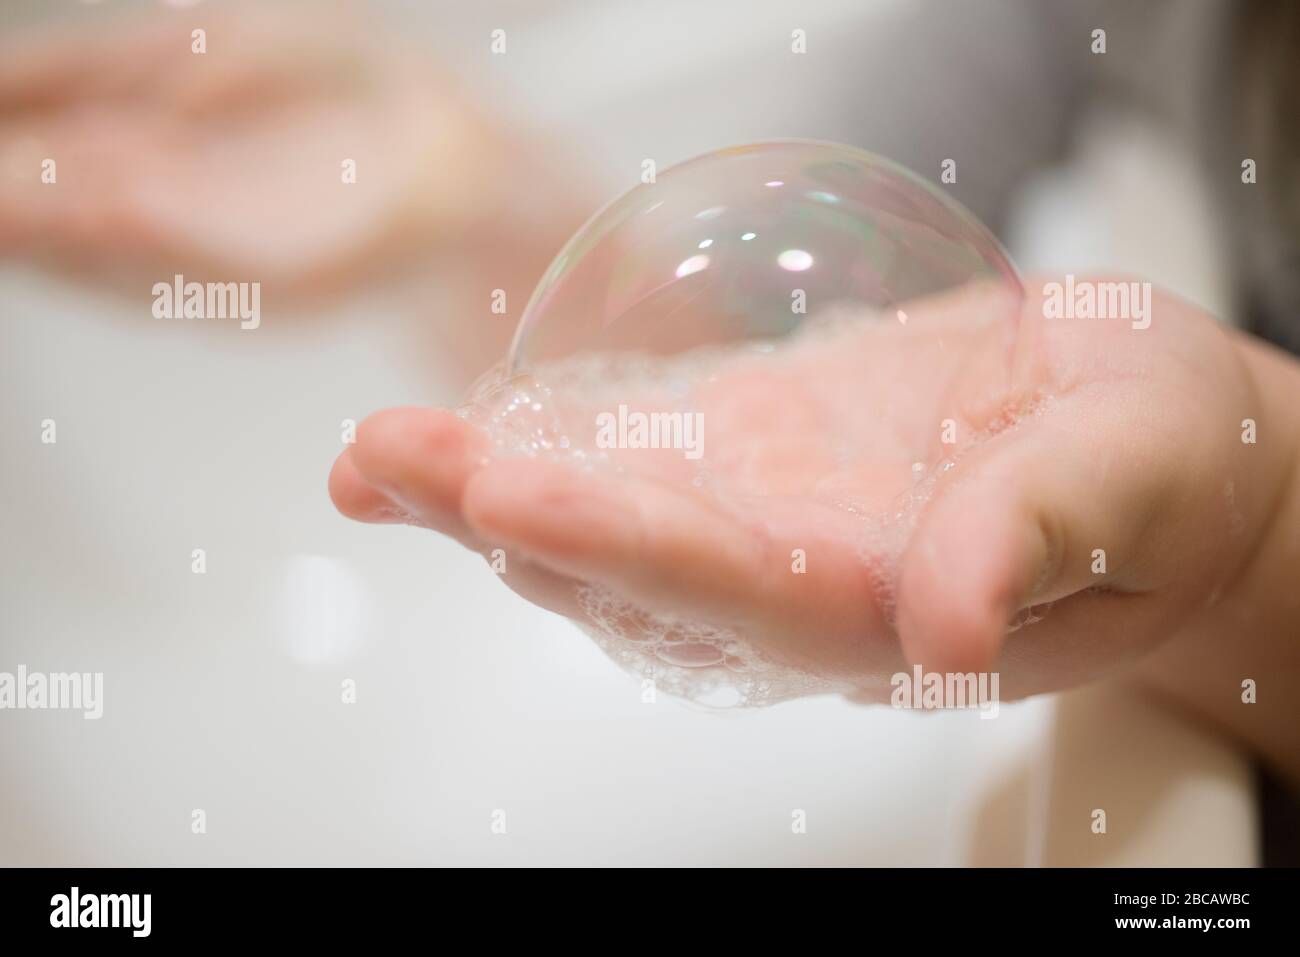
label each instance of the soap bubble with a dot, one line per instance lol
(797, 320)
(746, 243)
(836, 263)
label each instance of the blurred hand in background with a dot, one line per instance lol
(302, 151)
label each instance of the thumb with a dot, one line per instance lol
(977, 556)
(1016, 525)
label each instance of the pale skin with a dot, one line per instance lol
(1140, 454)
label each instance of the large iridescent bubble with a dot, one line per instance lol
(744, 243)
(790, 326)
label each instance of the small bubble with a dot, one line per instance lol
(690, 654)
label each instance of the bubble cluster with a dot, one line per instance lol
(706, 664)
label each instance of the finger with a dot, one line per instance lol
(651, 541)
(409, 466)
(356, 498)
(1035, 515)
(421, 459)
(675, 551)
(972, 563)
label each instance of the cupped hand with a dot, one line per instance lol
(1101, 492)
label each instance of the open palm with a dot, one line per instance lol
(933, 497)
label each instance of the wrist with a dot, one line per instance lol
(1275, 444)
(1236, 665)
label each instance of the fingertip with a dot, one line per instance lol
(357, 499)
(420, 457)
(344, 482)
(970, 567)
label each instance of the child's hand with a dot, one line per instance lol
(1131, 445)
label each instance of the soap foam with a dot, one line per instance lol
(702, 663)
(547, 411)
